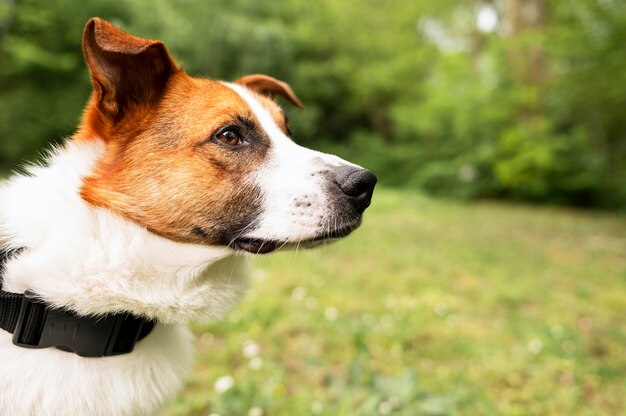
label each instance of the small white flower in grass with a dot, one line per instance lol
(298, 294)
(468, 173)
(214, 414)
(394, 402)
(535, 346)
(310, 303)
(251, 349)
(441, 309)
(255, 411)
(487, 18)
(224, 384)
(256, 363)
(331, 314)
(384, 408)
(317, 407)
(259, 275)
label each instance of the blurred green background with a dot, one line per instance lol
(461, 294)
(516, 99)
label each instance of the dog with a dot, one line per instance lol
(137, 225)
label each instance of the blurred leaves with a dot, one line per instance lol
(414, 90)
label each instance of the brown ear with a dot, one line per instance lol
(125, 70)
(267, 85)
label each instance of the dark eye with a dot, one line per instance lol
(230, 137)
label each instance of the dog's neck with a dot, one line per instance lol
(87, 259)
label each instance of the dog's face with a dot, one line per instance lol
(202, 161)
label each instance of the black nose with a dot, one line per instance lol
(357, 184)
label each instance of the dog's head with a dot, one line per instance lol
(202, 161)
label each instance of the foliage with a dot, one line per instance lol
(529, 109)
(430, 308)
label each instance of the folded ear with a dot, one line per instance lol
(267, 85)
(125, 70)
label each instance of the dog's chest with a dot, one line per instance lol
(53, 382)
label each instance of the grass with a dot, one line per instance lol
(433, 308)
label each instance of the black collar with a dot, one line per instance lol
(35, 324)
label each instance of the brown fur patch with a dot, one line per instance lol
(161, 170)
(163, 165)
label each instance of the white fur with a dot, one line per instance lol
(89, 260)
(295, 201)
(93, 262)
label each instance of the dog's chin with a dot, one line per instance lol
(264, 246)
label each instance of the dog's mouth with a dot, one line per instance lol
(255, 245)
(264, 246)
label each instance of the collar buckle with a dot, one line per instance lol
(41, 326)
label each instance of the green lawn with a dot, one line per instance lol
(432, 307)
